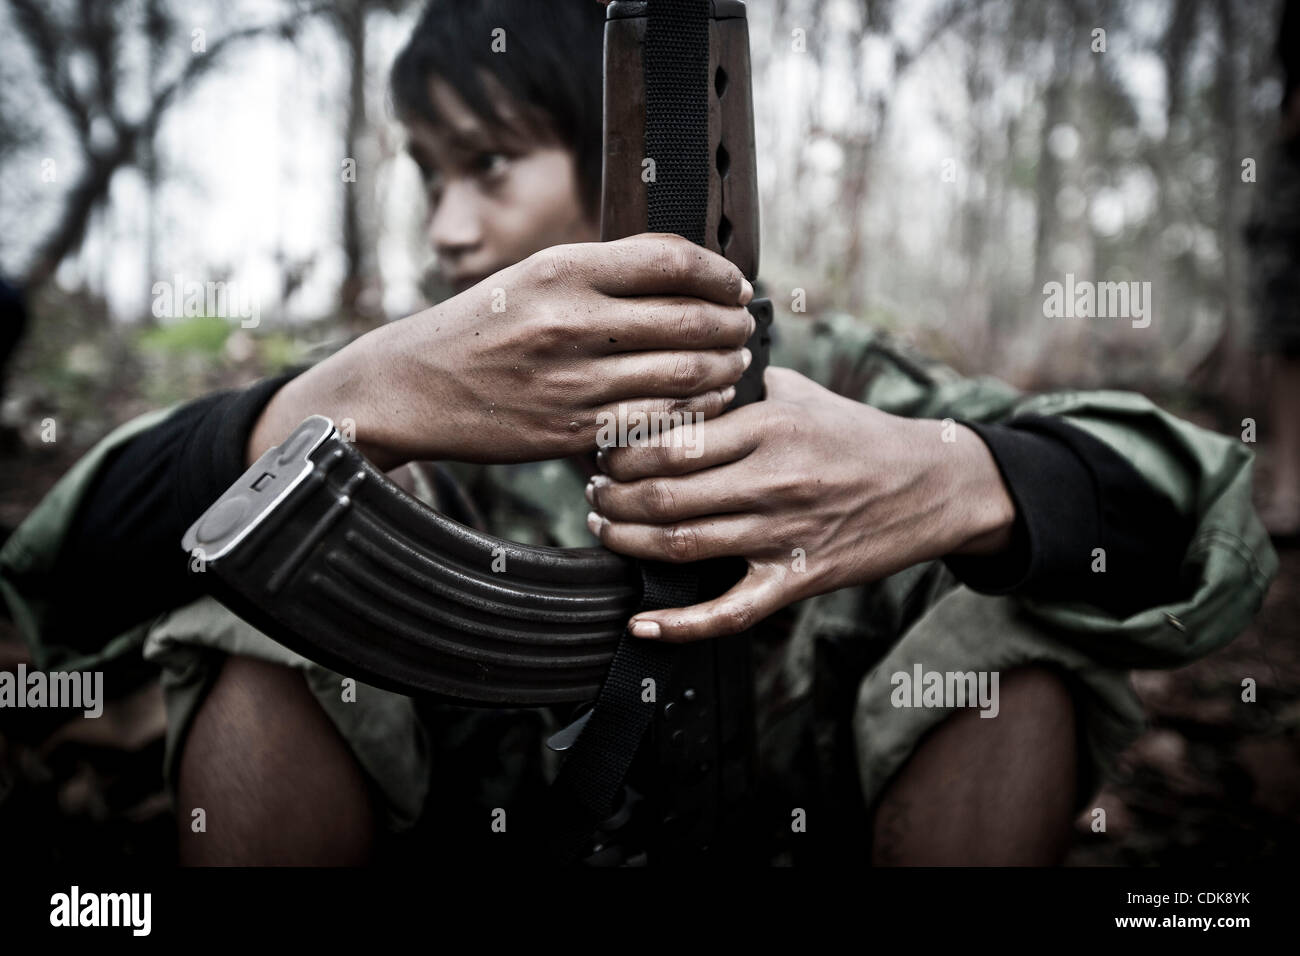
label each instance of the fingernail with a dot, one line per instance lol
(645, 629)
(602, 460)
(594, 523)
(746, 356)
(728, 394)
(590, 493)
(746, 291)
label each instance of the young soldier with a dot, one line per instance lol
(945, 524)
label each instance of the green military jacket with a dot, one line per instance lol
(824, 663)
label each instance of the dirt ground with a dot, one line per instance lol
(1214, 780)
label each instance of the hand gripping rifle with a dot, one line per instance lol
(316, 547)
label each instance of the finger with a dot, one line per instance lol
(759, 594)
(607, 425)
(664, 264)
(705, 445)
(668, 500)
(671, 374)
(696, 539)
(673, 322)
(655, 419)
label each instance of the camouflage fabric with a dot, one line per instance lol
(1273, 238)
(829, 737)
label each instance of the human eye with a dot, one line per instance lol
(491, 165)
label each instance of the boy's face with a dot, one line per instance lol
(493, 198)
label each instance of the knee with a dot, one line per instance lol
(988, 791)
(276, 781)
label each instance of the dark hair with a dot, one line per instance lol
(552, 63)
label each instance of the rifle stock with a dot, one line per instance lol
(731, 219)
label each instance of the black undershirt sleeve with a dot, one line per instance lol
(121, 562)
(1074, 494)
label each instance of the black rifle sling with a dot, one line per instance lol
(590, 783)
(676, 62)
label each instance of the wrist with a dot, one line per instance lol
(980, 506)
(341, 388)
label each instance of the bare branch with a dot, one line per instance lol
(940, 23)
(36, 25)
(201, 64)
(92, 185)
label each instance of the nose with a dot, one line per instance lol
(456, 228)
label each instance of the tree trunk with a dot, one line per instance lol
(356, 275)
(81, 202)
(1225, 371)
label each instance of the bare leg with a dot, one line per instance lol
(277, 782)
(1281, 508)
(987, 792)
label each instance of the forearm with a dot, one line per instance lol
(342, 388)
(121, 555)
(983, 505)
(1087, 526)
(1033, 506)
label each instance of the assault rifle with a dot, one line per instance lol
(317, 548)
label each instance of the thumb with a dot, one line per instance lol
(754, 597)
(787, 384)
